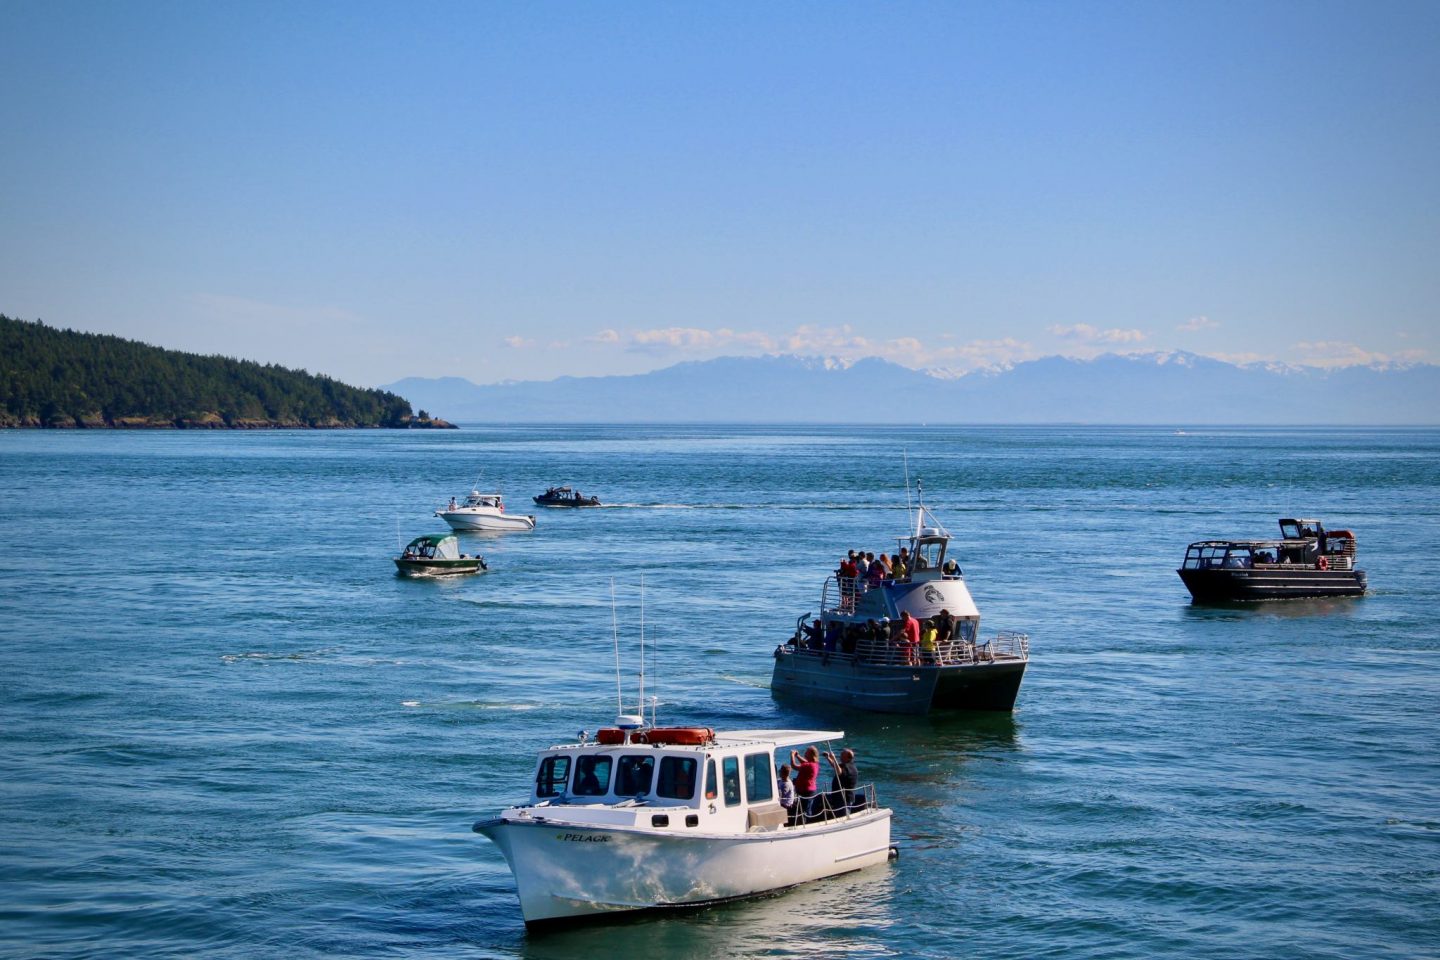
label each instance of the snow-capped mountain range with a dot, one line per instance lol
(1163, 388)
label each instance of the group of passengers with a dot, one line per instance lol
(801, 796)
(861, 566)
(907, 640)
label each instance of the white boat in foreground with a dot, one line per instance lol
(483, 511)
(641, 818)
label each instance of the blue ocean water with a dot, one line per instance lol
(230, 731)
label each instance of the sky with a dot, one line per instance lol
(529, 190)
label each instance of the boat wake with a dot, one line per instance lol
(471, 705)
(264, 655)
(745, 682)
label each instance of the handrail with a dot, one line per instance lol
(833, 805)
(1007, 645)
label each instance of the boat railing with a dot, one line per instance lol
(840, 594)
(1332, 562)
(833, 805)
(878, 651)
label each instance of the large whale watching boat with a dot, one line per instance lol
(645, 817)
(854, 655)
(1307, 561)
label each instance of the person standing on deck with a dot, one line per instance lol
(807, 772)
(911, 626)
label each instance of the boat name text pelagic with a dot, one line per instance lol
(584, 837)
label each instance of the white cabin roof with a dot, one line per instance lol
(780, 738)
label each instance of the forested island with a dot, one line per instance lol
(63, 378)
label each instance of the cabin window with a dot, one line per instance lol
(759, 783)
(1203, 558)
(677, 778)
(635, 776)
(711, 782)
(927, 555)
(1238, 558)
(592, 775)
(731, 766)
(966, 630)
(554, 772)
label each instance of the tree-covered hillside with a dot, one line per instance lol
(62, 378)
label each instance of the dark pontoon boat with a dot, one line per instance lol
(565, 497)
(1307, 561)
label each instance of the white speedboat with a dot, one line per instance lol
(646, 817)
(483, 511)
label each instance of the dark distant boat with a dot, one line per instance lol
(1307, 561)
(565, 497)
(855, 656)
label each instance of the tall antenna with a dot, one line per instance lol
(615, 635)
(909, 509)
(398, 544)
(655, 683)
(642, 647)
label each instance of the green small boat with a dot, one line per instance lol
(437, 554)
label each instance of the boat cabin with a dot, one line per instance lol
(478, 499)
(1303, 543)
(1301, 529)
(927, 554)
(675, 777)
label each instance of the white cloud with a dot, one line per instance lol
(1341, 353)
(1198, 323)
(1085, 333)
(518, 342)
(839, 343)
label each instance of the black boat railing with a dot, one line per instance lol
(833, 805)
(1007, 645)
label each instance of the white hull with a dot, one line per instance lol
(469, 520)
(566, 870)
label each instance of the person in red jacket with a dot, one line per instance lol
(912, 637)
(807, 771)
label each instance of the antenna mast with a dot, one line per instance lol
(642, 647)
(655, 685)
(615, 635)
(909, 508)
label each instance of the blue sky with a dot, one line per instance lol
(531, 190)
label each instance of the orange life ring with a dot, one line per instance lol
(609, 736)
(1322, 564)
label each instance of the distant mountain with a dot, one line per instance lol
(1180, 388)
(63, 378)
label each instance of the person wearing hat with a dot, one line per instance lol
(845, 782)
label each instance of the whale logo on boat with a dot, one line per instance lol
(932, 595)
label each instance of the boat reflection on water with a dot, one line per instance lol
(1290, 610)
(847, 915)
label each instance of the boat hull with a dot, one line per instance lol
(568, 871)
(436, 568)
(572, 504)
(484, 521)
(1223, 584)
(839, 679)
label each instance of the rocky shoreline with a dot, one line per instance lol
(208, 421)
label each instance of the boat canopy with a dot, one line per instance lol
(443, 546)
